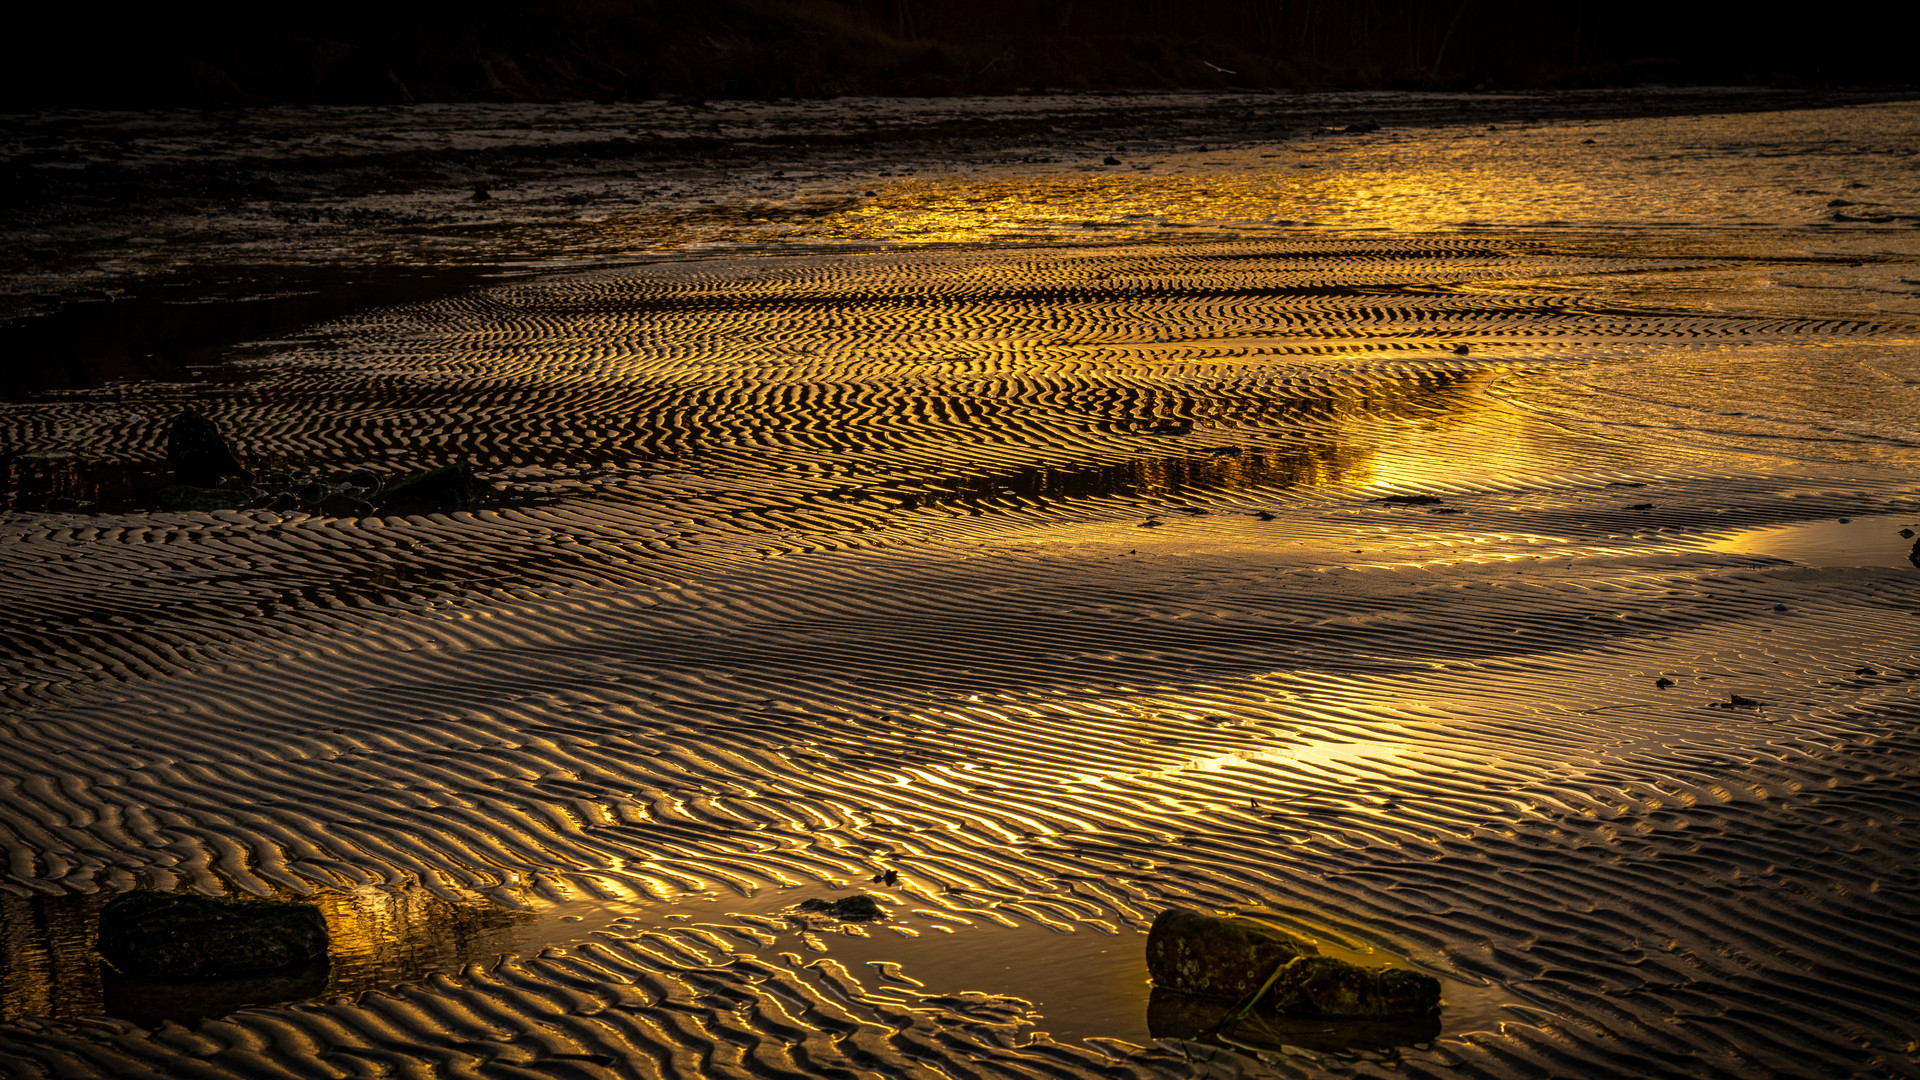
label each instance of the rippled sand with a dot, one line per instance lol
(1058, 581)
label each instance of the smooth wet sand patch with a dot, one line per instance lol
(1868, 540)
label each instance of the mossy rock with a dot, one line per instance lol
(445, 488)
(1324, 986)
(1228, 959)
(156, 935)
(1221, 958)
(1174, 1015)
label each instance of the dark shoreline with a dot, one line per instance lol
(137, 244)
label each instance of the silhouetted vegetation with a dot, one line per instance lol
(363, 52)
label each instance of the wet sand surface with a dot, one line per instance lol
(158, 234)
(1062, 579)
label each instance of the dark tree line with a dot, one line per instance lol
(362, 51)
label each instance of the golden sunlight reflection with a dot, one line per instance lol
(378, 936)
(1591, 173)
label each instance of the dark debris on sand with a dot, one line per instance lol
(861, 908)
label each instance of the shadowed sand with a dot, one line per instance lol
(1060, 583)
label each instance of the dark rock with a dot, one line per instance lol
(1110, 161)
(363, 478)
(1641, 506)
(159, 935)
(314, 492)
(437, 489)
(1735, 701)
(1461, 350)
(1324, 986)
(1906, 534)
(1229, 959)
(1173, 1015)
(184, 497)
(481, 193)
(1914, 555)
(284, 502)
(1866, 671)
(862, 908)
(1409, 500)
(201, 457)
(1225, 959)
(1446, 510)
(60, 504)
(1663, 683)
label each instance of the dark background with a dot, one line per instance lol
(365, 52)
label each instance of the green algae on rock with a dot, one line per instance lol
(1235, 959)
(1216, 957)
(1325, 986)
(1174, 1015)
(156, 935)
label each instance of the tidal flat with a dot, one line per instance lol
(1483, 550)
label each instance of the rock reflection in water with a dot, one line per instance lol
(381, 937)
(152, 1002)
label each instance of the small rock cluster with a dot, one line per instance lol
(209, 475)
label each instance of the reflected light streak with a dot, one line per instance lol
(1687, 171)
